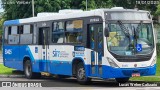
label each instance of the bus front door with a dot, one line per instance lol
(96, 46)
(43, 43)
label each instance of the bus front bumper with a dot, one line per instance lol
(111, 72)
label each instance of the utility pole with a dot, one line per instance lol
(33, 8)
(86, 5)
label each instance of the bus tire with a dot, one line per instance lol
(29, 74)
(81, 75)
(122, 80)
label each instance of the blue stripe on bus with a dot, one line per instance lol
(110, 72)
(60, 67)
(11, 22)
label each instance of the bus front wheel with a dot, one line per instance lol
(80, 74)
(28, 71)
(122, 80)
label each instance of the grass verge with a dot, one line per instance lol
(147, 78)
(4, 70)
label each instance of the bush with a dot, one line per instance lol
(158, 48)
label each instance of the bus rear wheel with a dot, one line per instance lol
(28, 71)
(122, 80)
(81, 75)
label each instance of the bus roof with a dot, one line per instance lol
(66, 15)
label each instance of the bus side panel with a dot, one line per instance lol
(11, 57)
(61, 67)
(88, 70)
(29, 51)
(60, 61)
(14, 55)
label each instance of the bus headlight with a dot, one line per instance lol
(112, 63)
(154, 61)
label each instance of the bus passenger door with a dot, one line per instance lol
(43, 42)
(96, 46)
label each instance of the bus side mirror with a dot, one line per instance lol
(106, 32)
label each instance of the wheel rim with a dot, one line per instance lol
(81, 73)
(28, 69)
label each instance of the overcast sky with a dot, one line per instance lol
(1, 9)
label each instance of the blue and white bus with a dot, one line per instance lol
(103, 43)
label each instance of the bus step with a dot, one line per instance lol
(45, 74)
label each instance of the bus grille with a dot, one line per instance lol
(135, 58)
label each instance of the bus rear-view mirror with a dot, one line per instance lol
(106, 32)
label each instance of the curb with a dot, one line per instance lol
(12, 76)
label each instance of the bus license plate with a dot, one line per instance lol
(135, 74)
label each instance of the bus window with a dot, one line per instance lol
(26, 29)
(20, 30)
(25, 34)
(14, 30)
(9, 30)
(31, 28)
(58, 32)
(6, 34)
(34, 31)
(74, 31)
(13, 38)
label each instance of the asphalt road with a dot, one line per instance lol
(71, 84)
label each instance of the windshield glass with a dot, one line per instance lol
(130, 38)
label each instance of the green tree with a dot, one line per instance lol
(16, 11)
(51, 5)
(104, 3)
(81, 4)
(76, 4)
(90, 4)
(158, 10)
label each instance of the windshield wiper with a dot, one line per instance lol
(124, 29)
(136, 31)
(127, 34)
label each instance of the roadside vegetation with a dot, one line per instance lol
(4, 70)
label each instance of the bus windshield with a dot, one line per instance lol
(130, 38)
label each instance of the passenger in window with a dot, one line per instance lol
(58, 38)
(71, 38)
(79, 38)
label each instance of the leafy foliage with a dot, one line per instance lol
(16, 11)
(158, 49)
(158, 10)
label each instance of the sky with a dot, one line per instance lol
(1, 9)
